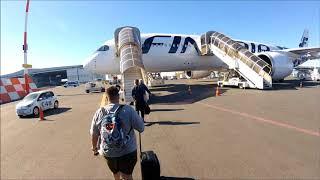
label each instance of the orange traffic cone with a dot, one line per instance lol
(217, 91)
(41, 115)
(189, 90)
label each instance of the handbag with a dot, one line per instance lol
(147, 109)
(146, 96)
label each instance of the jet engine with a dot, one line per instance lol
(280, 64)
(197, 74)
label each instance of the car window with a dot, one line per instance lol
(31, 97)
(48, 95)
(42, 96)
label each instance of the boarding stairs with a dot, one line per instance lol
(128, 48)
(252, 68)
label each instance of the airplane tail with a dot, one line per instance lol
(304, 39)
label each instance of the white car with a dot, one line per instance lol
(94, 86)
(71, 84)
(32, 102)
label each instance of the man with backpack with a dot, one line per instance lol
(114, 126)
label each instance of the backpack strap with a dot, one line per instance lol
(117, 113)
(118, 109)
(104, 111)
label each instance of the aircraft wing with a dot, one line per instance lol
(307, 52)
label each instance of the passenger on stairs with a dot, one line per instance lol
(137, 94)
(144, 86)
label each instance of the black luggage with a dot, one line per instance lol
(150, 166)
(147, 109)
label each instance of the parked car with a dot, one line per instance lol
(71, 84)
(31, 104)
(94, 86)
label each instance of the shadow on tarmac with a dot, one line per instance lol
(181, 95)
(175, 178)
(56, 111)
(73, 94)
(173, 123)
(154, 110)
(49, 113)
(294, 84)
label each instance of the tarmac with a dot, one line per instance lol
(242, 134)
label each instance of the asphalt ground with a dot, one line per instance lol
(269, 134)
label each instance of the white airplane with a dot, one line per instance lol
(181, 52)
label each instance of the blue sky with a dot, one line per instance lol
(67, 32)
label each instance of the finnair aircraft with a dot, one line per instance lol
(181, 52)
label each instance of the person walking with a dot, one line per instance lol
(113, 125)
(146, 96)
(137, 94)
(144, 87)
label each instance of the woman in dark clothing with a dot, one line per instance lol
(137, 94)
(144, 86)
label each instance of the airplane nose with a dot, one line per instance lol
(90, 63)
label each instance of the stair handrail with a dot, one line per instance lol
(236, 50)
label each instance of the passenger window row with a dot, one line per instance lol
(168, 45)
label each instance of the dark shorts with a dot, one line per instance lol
(124, 164)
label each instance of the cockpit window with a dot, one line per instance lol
(281, 47)
(103, 48)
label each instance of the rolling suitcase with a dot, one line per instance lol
(150, 166)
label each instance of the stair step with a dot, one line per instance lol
(129, 77)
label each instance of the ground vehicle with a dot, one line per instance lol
(31, 104)
(233, 78)
(173, 77)
(315, 75)
(94, 86)
(235, 81)
(71, 84)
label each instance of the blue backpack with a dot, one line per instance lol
(111, 131)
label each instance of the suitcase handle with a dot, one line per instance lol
(140, 144)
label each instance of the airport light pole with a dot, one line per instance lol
(25, 48)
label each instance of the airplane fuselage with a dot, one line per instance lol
(168, 52)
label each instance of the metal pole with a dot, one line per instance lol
(78, 74)
(25, 48)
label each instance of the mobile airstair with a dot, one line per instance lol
(128, 46)
(252, 68)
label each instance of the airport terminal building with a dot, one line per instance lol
(55, 76)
